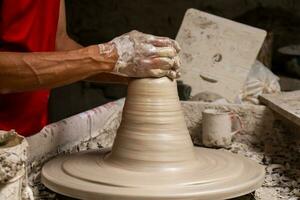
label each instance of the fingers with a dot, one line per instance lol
(165, 52)
(160, 73)
(159, 63)
(148, 50)
(144, 55)
(173, 74)
(177, 62)
(164, 42)
(150, 45)
(156, 63)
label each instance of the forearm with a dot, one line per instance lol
(30, 71)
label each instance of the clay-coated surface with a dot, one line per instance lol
(219, 175)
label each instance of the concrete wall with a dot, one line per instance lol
(92, 21)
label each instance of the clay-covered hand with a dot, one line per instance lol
(144, 55)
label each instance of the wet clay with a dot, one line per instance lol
(153, 157)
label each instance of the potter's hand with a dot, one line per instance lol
(144, 55)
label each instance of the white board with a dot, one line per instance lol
(217, 53)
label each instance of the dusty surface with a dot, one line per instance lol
(265, 140)
(279, 152)
(104, 138)
(262, 133)
(207, 96)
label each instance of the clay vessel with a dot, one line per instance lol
(153, 134)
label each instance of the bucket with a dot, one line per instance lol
(13, 155)
(12, 190)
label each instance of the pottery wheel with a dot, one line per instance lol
(153, 157)
(219, 175)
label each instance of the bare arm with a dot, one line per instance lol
(29, 71)
(64, 42)
(133, 54)
(145, 56)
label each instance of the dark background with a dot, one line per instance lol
(97, 21)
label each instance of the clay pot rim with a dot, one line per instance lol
(17, 140)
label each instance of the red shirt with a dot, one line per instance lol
(26, 26)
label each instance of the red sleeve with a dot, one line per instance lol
(26, 26)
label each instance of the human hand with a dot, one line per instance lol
(143, 55)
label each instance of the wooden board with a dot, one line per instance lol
(217, 53)
(286, 104)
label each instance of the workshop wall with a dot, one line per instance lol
(97, 21)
